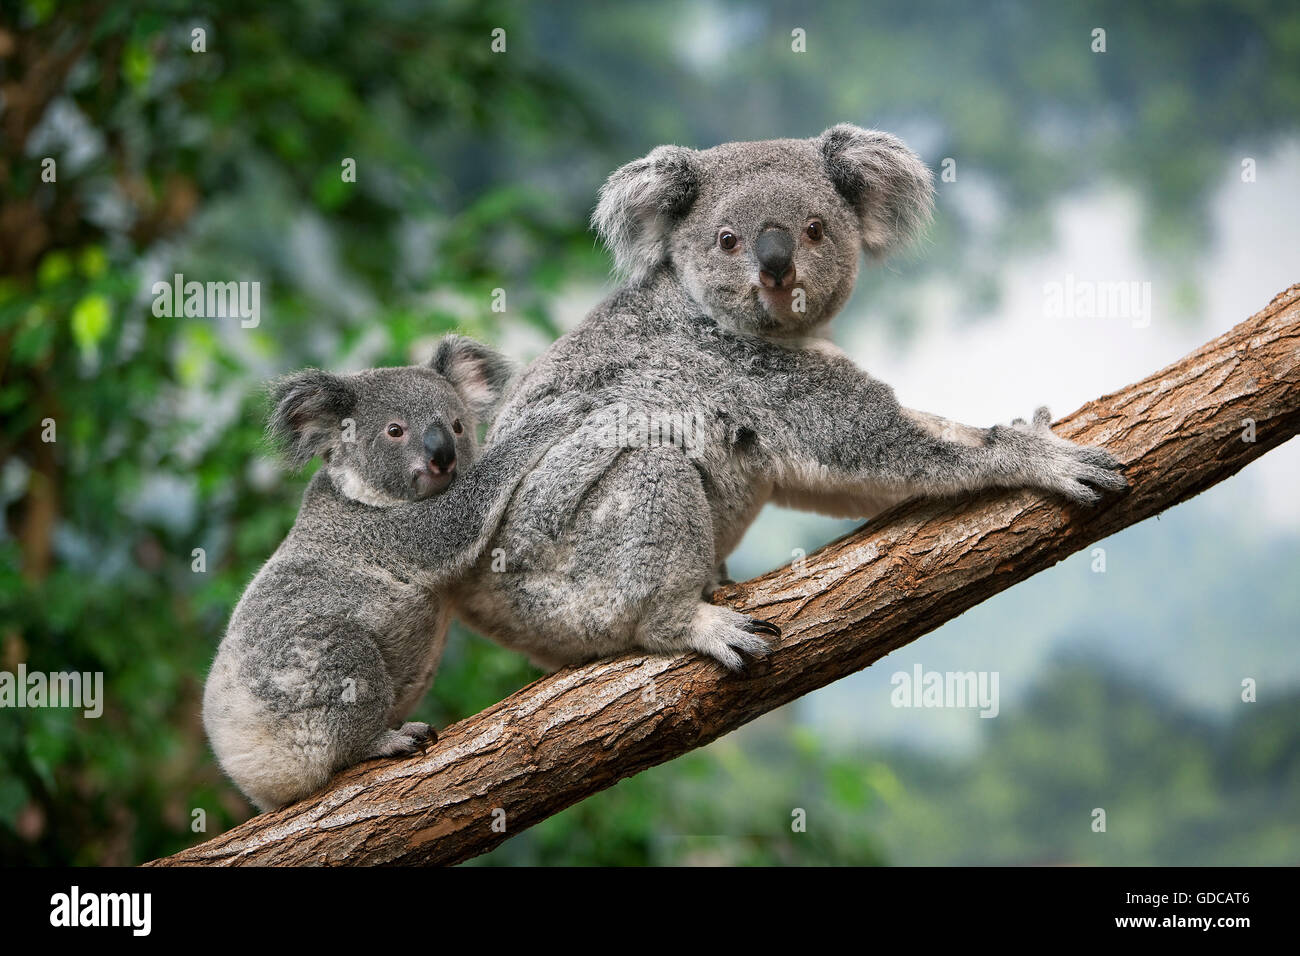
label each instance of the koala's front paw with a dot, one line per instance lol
(1078, 472)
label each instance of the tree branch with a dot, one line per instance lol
(578, 731)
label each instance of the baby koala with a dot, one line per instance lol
(339, 635)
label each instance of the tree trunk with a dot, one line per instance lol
(578, 731)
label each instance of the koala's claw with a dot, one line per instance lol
(755, 626)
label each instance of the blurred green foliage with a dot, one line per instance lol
(475, 171)
(159, 420)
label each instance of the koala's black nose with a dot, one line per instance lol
(439, 448)
(775, 252)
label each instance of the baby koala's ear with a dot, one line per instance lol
(888, 185)
(308, 412)
(478, 373)
(639, 204)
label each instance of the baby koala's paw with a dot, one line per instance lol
(404, 741)
(1079, 472)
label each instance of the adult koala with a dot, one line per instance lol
(737, 257)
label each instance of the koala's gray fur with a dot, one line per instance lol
(340, 633)
(620, 560)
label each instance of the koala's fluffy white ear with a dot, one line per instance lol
(639, 203)
(308, 412)
(887, 183)
(478, 373)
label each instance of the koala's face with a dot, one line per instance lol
(766, 236)
(391, 435)
(769, 245)
(403, 437)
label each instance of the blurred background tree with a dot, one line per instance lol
(475, 171)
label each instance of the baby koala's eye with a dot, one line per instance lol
(395, 430)
(814, 230)
(727, 240)
(457, 427)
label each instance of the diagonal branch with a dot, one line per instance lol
(576, 732)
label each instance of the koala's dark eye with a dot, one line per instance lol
(457, 427)
(395, 430)
(727, 240)
(814, 230)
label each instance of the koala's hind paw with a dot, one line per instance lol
(424, 733)
(404, 741)
(725, 635)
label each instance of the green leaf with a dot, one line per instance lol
(91, 318)
(137, 66)
(94, 262)
(54, 268)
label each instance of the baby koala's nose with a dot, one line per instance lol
(439, 449)
(775, 252)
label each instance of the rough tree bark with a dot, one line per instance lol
(576, 732)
